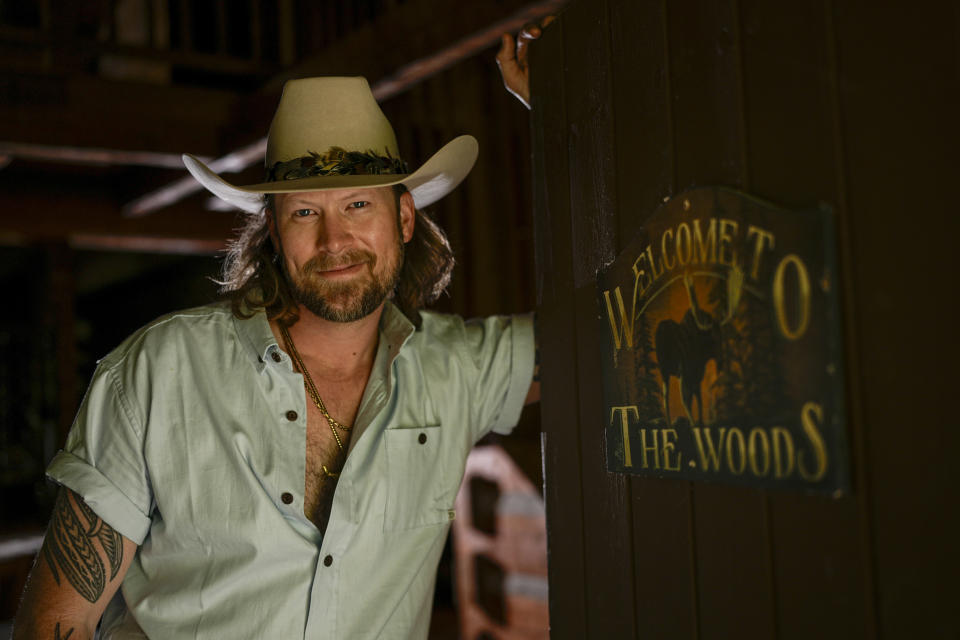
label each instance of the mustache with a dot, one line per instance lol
(326, 262)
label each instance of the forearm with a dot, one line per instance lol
(45, 614)
(80, 566)
(533, 395)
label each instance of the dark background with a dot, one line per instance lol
(847, 103)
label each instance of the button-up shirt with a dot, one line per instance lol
(191, 442)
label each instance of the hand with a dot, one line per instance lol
(512, 59)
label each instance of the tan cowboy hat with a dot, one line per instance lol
(329, 133)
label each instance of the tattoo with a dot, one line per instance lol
(110, 540)
(57, 636)
(69, 547)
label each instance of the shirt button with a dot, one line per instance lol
(328, 561)
(276, 356)
(291, 415)
(287, 497)
(422, 439)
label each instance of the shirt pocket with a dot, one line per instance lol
(417, 491)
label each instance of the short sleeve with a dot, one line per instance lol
(103, 459)
(502, 349)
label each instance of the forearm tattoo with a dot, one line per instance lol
(69, 547)
(57, 636)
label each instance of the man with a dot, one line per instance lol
(286, 465)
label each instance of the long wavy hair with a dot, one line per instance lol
(253, 277)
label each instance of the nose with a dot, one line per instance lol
(334, 234)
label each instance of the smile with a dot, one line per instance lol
(344, 270)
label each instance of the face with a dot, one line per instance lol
(342, 250)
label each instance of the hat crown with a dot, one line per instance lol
(316, 114)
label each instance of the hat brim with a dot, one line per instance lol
(437, 177)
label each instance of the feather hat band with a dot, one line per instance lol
(329, 133)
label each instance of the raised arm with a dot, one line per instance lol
(533, 395)
(80, 565)
(512, 59)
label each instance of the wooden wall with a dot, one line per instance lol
(488, 218)
(852, 104)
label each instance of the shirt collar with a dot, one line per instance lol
(257, 338)
(395, 328)
(261, 344)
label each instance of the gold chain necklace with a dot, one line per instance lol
(312, 388)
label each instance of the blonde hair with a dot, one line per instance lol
(253, 277)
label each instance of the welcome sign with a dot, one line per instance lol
(721, 354)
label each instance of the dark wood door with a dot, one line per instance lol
(798, 103)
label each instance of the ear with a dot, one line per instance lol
(408, 213)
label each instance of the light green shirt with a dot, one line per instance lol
(191, 442)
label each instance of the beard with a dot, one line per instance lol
(345, 301)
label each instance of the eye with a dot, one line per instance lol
(359, 204)
(302, 213)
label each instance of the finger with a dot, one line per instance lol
(527, 35)
(522, 52)
(507, 50)
(530, 31)
(546, 21)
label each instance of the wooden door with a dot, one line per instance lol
(797, 103)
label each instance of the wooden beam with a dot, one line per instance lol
(286, 32)
(84, 112)
(94, 222)
(414, 31)
(186, 56)
(90, 155)
(387, 86)
(233, 162)
(148, 244)
(419, 70)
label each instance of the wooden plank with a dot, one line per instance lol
(607, 507)
(186, 28)
(95, 222)
(221, 13)
(92, 156)
(732, 545)
(484, 234)
(641, 100)
(89, 112)
(821, 569)
(506, 133)
(556, 331)
(704, 70)
(898, 105)
(286, 32)
(664, 572)
(256, 31)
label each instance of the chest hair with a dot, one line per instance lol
(322, 450)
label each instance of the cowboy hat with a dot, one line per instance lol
(329, 133)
